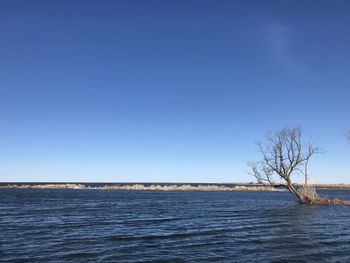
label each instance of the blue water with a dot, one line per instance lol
(41, 225)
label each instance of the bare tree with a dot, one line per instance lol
(284, 157)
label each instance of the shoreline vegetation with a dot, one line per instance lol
(142, 187)
(165, 187)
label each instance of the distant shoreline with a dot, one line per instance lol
(143, 187)
(160, 186)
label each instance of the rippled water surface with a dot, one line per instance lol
(140, 226)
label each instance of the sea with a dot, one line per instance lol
(94, 225)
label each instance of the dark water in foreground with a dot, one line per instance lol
(141, 226)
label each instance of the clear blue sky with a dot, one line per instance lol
(169, 91)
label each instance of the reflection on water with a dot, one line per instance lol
(136, 226)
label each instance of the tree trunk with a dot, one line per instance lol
(301, 197)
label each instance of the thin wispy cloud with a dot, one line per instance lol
(278, 40)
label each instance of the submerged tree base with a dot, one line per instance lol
(308, 195)
(324, 201)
